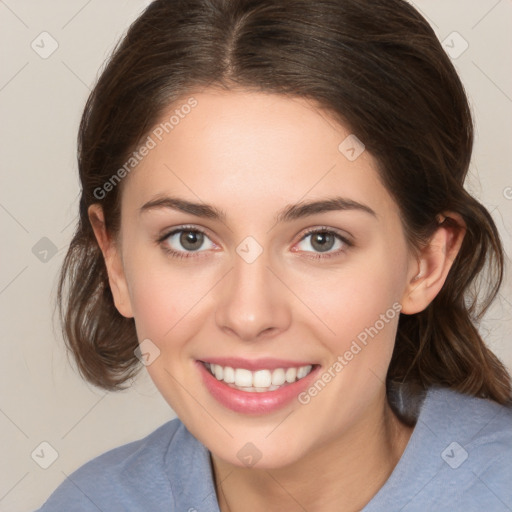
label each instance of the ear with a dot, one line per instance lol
(113, 261)
(430, 268)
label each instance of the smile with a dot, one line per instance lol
(269, 386)
(258, 381)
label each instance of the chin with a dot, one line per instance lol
(265, 454)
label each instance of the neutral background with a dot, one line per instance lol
(42, 399)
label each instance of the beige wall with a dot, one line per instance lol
(42, 399)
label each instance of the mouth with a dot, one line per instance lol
(268, 386)
(258, 381)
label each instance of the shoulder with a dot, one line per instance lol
(481, 433)
(459, 457)
(466, 443)
(131, 477)
(482, 424)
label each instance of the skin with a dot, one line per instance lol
(251, 155)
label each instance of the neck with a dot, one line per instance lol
(343, 474)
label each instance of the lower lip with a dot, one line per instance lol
(254, 403)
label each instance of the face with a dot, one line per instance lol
(220, 260)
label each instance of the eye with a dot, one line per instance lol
(323, 241)
(184, 240)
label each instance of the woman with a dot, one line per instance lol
(273, 222)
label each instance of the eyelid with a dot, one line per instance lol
(172, 231)
(330, 229)
(343, 235)
(183, 254)
(347, 243)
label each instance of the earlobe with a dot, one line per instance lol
(113, 261)
(431, 267)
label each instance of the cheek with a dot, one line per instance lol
(166, 298)
(155, 304)
(358, 302)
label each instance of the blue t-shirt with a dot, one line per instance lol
(459, 457)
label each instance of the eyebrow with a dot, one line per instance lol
(288, 214)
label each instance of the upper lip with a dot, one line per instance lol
(265, 363)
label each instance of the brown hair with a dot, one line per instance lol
(377, 67)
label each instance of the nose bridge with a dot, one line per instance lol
(251, 301)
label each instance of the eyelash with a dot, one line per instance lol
(323, 256)
(312, 231)
(179, 254)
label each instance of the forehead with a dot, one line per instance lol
(255, 151)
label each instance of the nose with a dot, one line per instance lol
(253, 303)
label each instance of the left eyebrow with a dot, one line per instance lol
(288, 214)
(300, 210)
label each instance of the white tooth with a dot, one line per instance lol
(219, 371)
(262, 379)
(229, 375)
(243, 377)
(303, 371)
(278, 377)
(253, 389)
(291, 375)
